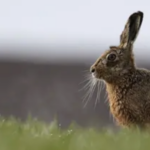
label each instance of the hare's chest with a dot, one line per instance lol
(120, 112)
(125, 114)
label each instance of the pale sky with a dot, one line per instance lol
(82, 23)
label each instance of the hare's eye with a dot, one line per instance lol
(111, 57)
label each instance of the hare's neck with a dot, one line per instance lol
(115, 92)
(116, 96)
(119, 87)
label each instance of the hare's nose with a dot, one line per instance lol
(92, 69)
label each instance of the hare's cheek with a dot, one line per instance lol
(104, 61)
(113, 69)
(99, 73)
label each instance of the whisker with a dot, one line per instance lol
(90, 92)
(85, 80)
(87, 76)
(105, 94)
(84, 71)
(85, 86)
(106, 98)
(97, 96)
(88, 85)
(100, 88)
(103, 85)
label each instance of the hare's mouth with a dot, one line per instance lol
(95, 75)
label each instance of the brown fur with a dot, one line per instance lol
(128, 87)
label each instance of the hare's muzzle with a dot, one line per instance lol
(93, 71)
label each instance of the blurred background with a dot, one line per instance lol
(45, 48)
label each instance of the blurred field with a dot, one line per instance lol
(34, 135)
(45, 90)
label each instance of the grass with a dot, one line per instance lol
(35, 135)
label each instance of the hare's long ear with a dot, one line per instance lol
(131, 29)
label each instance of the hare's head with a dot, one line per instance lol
(119, 59)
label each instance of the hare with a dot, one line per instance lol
(128, 87)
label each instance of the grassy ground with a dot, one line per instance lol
(34, 135)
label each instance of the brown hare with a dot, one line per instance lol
(128, 87)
